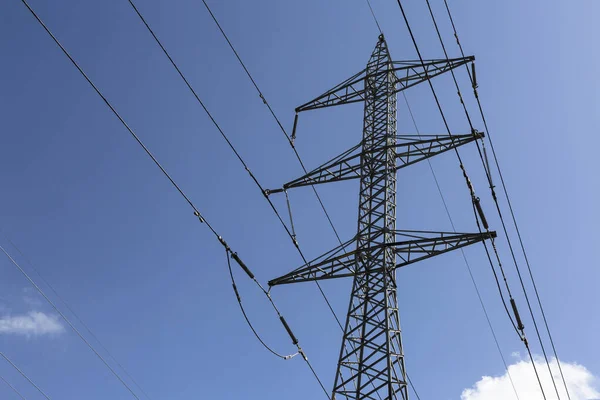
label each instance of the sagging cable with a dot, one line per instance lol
(281, 318)
(239, 300)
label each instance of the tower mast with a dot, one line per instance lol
(371, 361)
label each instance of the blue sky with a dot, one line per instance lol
(106, 229)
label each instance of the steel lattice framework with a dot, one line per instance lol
(371, 361)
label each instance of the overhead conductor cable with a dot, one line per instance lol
(292, 234)
(197, 213)
(12, 387)
(456, 150)
(473, 79)
(8, 360)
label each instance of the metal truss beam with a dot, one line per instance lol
(406, 74)
(410, 150)
(422, 245)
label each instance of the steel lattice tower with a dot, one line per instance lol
(371, 362)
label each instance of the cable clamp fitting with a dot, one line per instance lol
(477, 134)
(302, 353)
(224, 243)
(197, 214)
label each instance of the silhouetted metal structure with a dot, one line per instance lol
(371, 361)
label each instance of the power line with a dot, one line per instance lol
(437, 101)
(114, 111)
(239, 299)
(75, 315)
(231, 146)
(295, 341)
(476, 204)
(12, 387)
(488, 174)
(24, 375)
(289, 138)
(41, 292)
(450, 217)
(439, 189)
(439, 35)
(196, 211)
(379, 28)
(291, 235)
(474, 84)
(520, 328)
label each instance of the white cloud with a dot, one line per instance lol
(34, 323)
(580, 381)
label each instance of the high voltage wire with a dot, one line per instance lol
(263, 98)
(91, 347)
(202, 219)
(86, 327)
(231, 146)
(475, 201)
(196, 213)
(509, 204)
(291, 235)
(24, 375)
(290, 140)
(12, 387)
(489, 322)
(488, 174)
(453, 226)
(378, 28)
(495, 199)
(237, 294)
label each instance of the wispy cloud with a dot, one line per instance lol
(34, 323)
(31, 298)
(580, 381)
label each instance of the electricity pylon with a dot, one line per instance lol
(371, 361)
